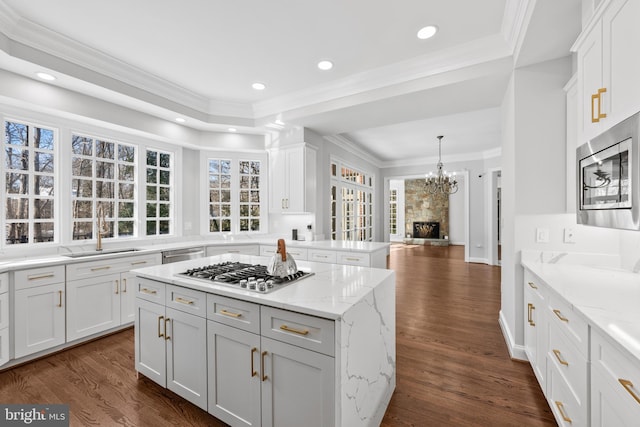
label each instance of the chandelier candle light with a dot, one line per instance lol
(442, 182)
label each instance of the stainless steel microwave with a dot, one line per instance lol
(608, 179)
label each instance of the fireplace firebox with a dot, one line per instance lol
(426, 230)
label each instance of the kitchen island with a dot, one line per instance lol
(319, 351)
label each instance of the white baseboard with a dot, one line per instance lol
(516, 351)
(479, 260)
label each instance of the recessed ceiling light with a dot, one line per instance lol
(325, 65)
(259, 86)
(427, 32)
(180, 120)
(232, 130)
(45, 76)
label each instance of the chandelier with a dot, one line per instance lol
(441, 182)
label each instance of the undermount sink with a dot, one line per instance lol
(98, 253)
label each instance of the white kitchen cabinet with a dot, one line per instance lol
(93, 305)
(535, 326)
(171, 349)
(127, 298)
(233, 249)
(292, 179)
(298, 254)
(615, 385)
(39, 318)
(4, 318)
(608, 68)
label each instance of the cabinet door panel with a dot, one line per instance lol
(590, 69)
(234, 374)
(4, 346)
(151, 356)
(93, 305)
(39, 318)
(127, 298)
(299, 386)
(187, 356)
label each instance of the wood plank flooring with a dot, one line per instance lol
(453, 367)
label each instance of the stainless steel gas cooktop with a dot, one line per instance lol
(252, 277)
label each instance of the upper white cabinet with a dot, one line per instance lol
(608, 67)
(292, 179)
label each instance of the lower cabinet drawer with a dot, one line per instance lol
(187, 300)
(563, 355)
(4, 282)
(566, 319)
(38, 276)
(564, 405)
(322, 256)
(299, 254)
(353, 258)
(150, 290)
(313, 333)
(229, 311)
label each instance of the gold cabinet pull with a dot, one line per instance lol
(160, 334)
(230, 314)
(532, 285)
(41, 276)
(183, 301)
(59, 298)
(628, 385)
(295, 331)
(595, 118)
(264, 377)
(166, 332)
(253, 371)
(531, 307)
(124, 286)
(559, 357)
(138, 262)
(560, 316)
(321, 256)
(562, 413)
(105, 267)
(352, 259)
(149, 291)
(117, 287)
(233, 252)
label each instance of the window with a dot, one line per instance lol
(393, 211)
(103, 176)
(235, 187)
(29, 183)
(352, 213)
(159, 174)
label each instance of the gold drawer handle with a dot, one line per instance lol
(253, 371)
(124, 286)
(321, 256)
(531, 307)
(42, 276)
(352, 259)
(595, 118)
(264, 377)
(117, 287)
(233, 252)
(138, 262)
(106, 267)
(532, 285)
(562, 414)
(160, 334)
(149, 291)
(559, 357)
(230, 314)
(295, 331)
(166, 332)
(183, 301)
(628, 385)
(560, 316)
(59, 298)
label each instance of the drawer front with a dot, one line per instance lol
(570, 363)
(353, 258)
(83, 270)
(235, 249)
(617, 369)
(239, 314)
(4, 282)
(268, 250)
(536, 285)
(567, 410)
(313, 333)
(187, 300)
(573, 325)
(150, 290)
(38, 276)
(322, 256)
(4, 310)
(300, 254)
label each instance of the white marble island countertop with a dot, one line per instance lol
(330, 292)
(606, 296)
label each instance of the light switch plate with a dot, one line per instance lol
(542, 235)
(569, 235)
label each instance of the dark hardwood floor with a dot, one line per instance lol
(453, 368)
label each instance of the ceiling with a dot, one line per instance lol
(389, 93)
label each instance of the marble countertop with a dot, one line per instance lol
(329, 293)
(606, 296)
(7, 262)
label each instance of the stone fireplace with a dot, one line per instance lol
(424, 208)
(426, 230)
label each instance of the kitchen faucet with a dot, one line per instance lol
(100, 225)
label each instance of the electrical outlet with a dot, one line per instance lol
(542, 235)
(569, 235)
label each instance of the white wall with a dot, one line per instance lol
(456, 213)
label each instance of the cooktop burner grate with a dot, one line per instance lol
(252, 277)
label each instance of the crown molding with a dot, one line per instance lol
(454, 158)
(348, 145)
(515, 13)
